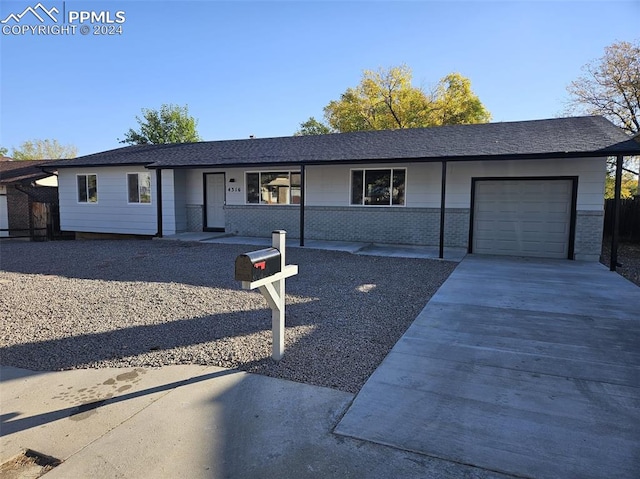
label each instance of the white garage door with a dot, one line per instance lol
(522, 217)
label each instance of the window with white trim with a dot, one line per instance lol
(273, 187)
(87, 188)
(139, 187)
(378, 187)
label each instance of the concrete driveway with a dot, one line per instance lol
(529, 367)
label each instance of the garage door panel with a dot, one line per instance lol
(559, 207)
(501, 207)
(533, 229)
(522, 217)
(559, 187)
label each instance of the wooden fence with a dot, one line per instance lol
(629, 223)
(33, 213)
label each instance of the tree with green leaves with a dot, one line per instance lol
(312, 127)
(454, 103)
(386, 99)
(43, 150)
(170, 124)
(3, 151)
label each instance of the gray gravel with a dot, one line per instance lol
(628, 257)
(91, 304)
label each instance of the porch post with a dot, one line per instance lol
(159, 200)
(302, 191)
(443, 192)
(616, 214)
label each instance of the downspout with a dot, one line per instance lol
(302, 191)
(443, 193)
(616, 215)
(159, 200)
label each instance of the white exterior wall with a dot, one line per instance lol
(169, 201)
(331, 185)
(591, 173)
(195, 185)
(327, 186)
(180, 196)
(111, 213)
(4, 212)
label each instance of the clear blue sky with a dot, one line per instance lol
(262, 67)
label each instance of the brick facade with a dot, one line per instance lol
(261, 220)
(456, 227)
(589, 229)
(194, 218)
(412, 226)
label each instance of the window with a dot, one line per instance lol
(139, 187)
(378, 187)
(87, 188)
(273, 188)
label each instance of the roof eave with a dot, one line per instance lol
(423, 159)
(100, 165)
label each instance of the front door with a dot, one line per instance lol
(214, 201)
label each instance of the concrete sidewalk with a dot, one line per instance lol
(529, 367)
(353, 247)
(195, 422)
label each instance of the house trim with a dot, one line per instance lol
(159, 201)
(443, 200)
(257, 165)
(303, 187)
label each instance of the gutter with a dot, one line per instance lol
(429, 159)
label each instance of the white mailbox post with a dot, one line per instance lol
(251, 266)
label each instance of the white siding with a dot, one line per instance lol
(195, 185)
(328, 185)
(4, 212)
(590, 172)
(180, 190)
(325, 186)
(168, 203)
(112, 213)
(331, 185)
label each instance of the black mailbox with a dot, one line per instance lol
(257, 265)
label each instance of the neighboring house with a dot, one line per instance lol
(21, 184)
(532, 188)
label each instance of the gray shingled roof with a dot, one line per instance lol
(560, 137)
(22, 171)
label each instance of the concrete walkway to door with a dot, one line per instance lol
(524, 366)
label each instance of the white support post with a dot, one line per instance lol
(273, 290)
(278, 241)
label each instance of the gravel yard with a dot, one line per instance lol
(91, 304)
(628, 257)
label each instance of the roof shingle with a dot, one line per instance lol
(22, 171)
(560, 137)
